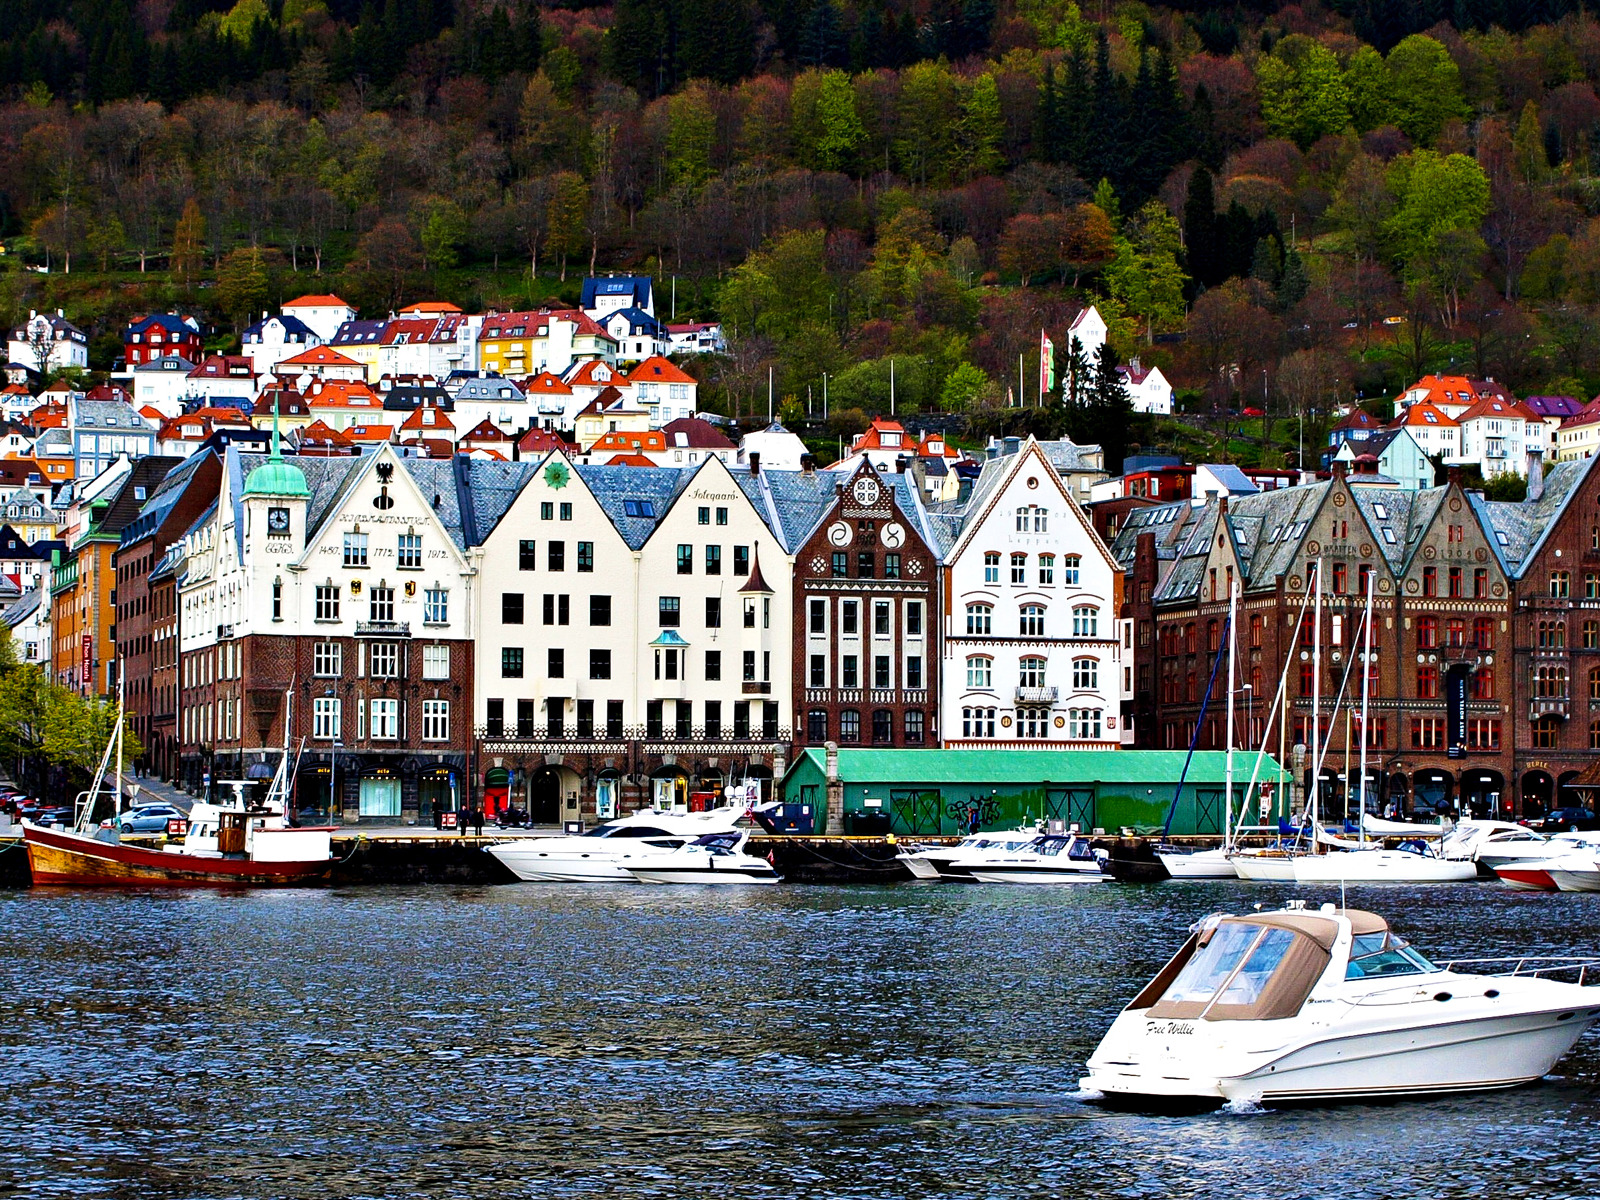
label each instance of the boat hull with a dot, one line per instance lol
(1275, 868)
(1003, 873)
(1571, 880)
(61, 859)
(1381, 866)
(920, 867)
(1526, 877)
(1478, 1054)
(760, 874)
(1202, 864)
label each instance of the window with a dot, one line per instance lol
(685, 560)
(914, 672)
(882, 727)
(1427, 683)
(1544, 733)
(667, 610)
(1591, 635)
(1427, 633)
(713, 560)
(817, 725)
(355, 549)
(749, 666)
(866, 564)
(1482, 684)
(1550, 682)
(980, 672)
(436, 720)
(1033, 723)
(1483, 633)
(277, 599)
(977, 722)
(980, 620)
(703, 515)
(1030, 673)
(1484, 734)
(819, 671)
(385, 660)
(495, 717)
(409, 554)
(713, 727)
(1033, 620)
(1086, 623)
(849, 671)
(511, 608)
(991, 568)
(385, 719)
(714, 666)
(436, 606)
(914, 727)
(586, 556)
(1560, 584)
(849, 725)
(1427, 733)
(556, 556)
(1085, 673)
(1047, 569)
(1480, 583)
(1340, 576)
(1456, 583)
(327, 660)
(325, 718)
(881, 677)
(547, 511)
(849, 611)
(599, 664)
(327, 603)
(599, 610)
(914, 618)
(1552, 635)
(1019, 568)
(722, 516)
(880, 618)
(840, 565)
(566, 511)
(1083, 723)
(818, 616)
(527, 555)
(381, 603)
(891, 566)
(555, 663)
(750, 614)
(713, 612)
(639, 508)
(511, 662)
(436, 662)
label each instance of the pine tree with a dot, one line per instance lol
(1294, 284)
(1073, 110)
(1200, 230)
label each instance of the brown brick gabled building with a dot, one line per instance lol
(865, 639)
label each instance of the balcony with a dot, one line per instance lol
(1549, 706)
(383, 629)
(1036, 695)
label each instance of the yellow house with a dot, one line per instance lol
(360, 340)
(525, 343)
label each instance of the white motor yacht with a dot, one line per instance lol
(1570, 871)
(715, 858)
(933, 862)
(1302, 1004)
(604, 854)
(1057, 858)
(1490, 843)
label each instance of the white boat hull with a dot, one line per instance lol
(538, 865)
(1380, 866)
(742, 876)
(1273, 868)
(1202, 864)
(1006, 873)
(920, 866)
(1577, 880)
(1476, 1054)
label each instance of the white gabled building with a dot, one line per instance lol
(1148, 389)
(271, 340)
(1032, 647)
(321, 314)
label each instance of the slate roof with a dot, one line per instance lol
(294, 329)
(614, 486)
(636, 286)
(1520, 527)
(162, 501)
(358, 333)
(15, 614)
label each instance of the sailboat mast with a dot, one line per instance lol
(1233, 642)
(1366, 692)
(1316, 697)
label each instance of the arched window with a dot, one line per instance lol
(1085, 673)
(1427, 633)
(980, 672)
(991, 567)
(1594, 683)
(980, 619)
(1591, 635)
(1550, 682)
(1212, 641)
(1560, 584)
(1030, 672)
(1086, 622)
(1070, 569)
(1033, 620)
(1483, 633)
(1022, 519)
(1047, 569)
(1019, 568)
(1188, 638)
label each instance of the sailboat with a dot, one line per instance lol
(1376, 864)
(228, 842)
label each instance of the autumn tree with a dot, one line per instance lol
(565, 212)
(188, 243)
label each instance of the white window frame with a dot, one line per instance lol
(436, 662)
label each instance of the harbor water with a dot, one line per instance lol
(618, 1042)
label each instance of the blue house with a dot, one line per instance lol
(607, 293)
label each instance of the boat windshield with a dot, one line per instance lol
(1245, 971)
(626, 831)
(1378, 955)
(718, 843)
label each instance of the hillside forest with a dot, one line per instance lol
(1285, 206)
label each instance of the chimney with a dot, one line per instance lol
(1133, 365)
(1452, 476)
(755, 464)
(1337, 469)
(808, 463)
(1012, 445)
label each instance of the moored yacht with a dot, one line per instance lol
(604, 854)
(713, 858)
(1328, 1004)
(1408, 864)
(1058, 858)
(934, 862)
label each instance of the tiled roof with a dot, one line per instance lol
(319, 356)
(695, 433)
(323, 301)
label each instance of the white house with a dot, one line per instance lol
(696, 337)
(1089, 327)
(321, 314)
(668, 391)
(432, 345)
(1148, 388)
(609, 293)
(1032, 652)
(775, 447)
(638, 335)
(28, 619)
(1499, 435)
(272, 339)
(162, 383)
(56, 339)
(497, 401)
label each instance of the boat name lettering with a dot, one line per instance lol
(1173, 1027)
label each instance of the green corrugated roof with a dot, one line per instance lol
(1034, 766)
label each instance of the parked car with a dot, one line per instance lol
(149, 818)
(1560, 820)
(44, 814)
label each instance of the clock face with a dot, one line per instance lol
(277, 520)
(839, 533)
(866, 492)
(894, 535)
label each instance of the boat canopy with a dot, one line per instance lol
(1256, 968)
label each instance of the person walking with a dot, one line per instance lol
(463, 819)
(477, 821)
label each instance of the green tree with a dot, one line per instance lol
(1145, 275)
(838, 126)
(444, 229)
(1437, 195)
(691, 137)
(964, 388)
(188, 243)
(242, 284)
(106, 237)
(1427, 88)
(1371, 89)
(1303, 90)
(1527, 146)
(567, 207)
(977, 143)
(929, 113)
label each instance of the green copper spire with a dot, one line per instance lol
(277, 477)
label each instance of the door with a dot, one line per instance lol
(605, 799)
(380, 797)
(915, 811)
(1208, 810)
(1072, 806)
(544, 797)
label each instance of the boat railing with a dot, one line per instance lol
(1587, 967)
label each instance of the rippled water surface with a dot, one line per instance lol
(624, 1042)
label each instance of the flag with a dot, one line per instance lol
(1047, 365)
